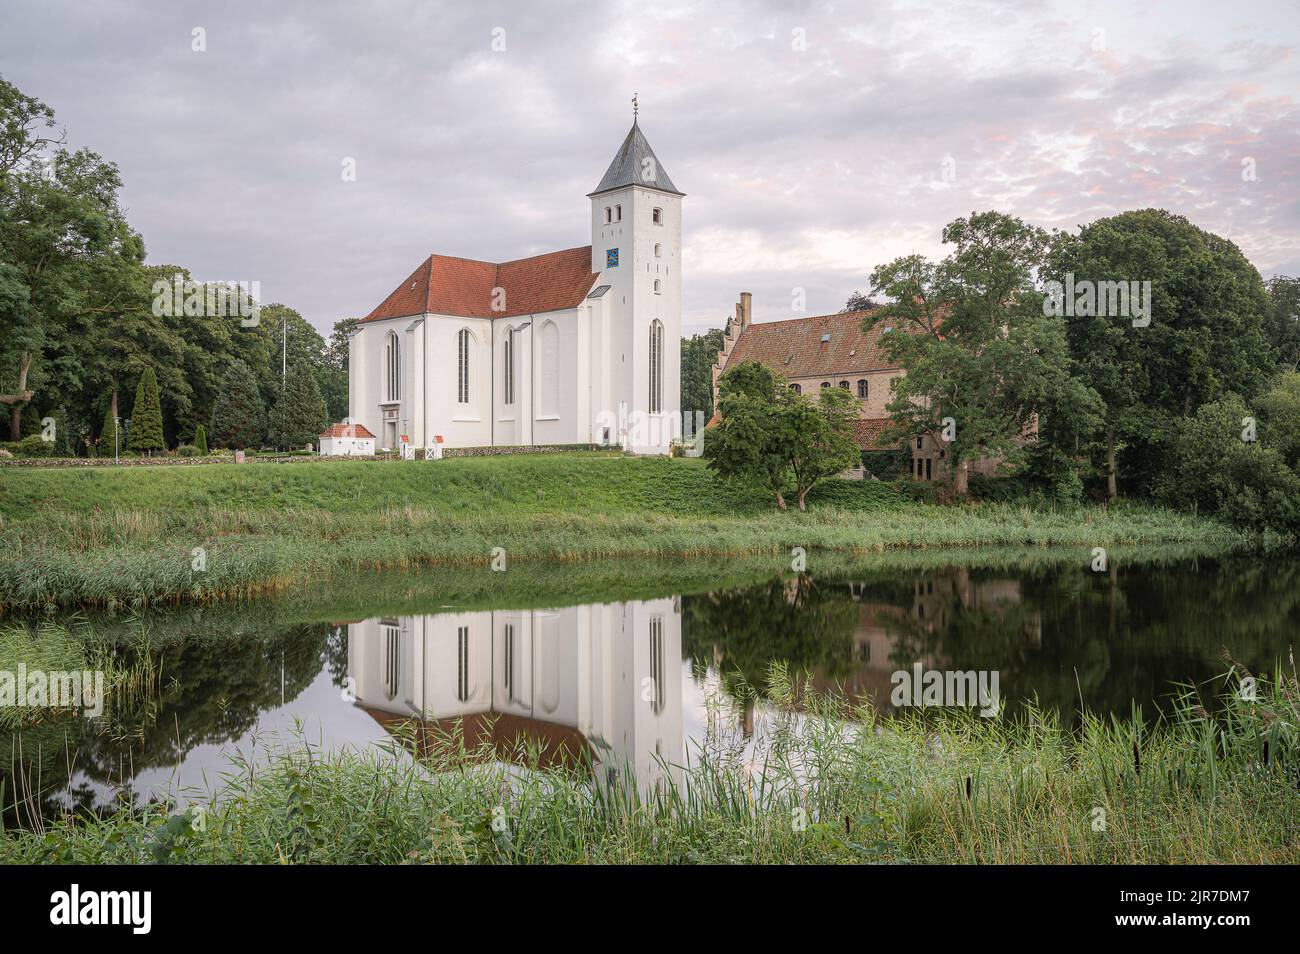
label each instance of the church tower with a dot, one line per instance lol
(636, 240)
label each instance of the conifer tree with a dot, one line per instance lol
(300, 414)
(238, 418)
(146, 415)
(201, 441)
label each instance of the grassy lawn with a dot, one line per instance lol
(102, 536)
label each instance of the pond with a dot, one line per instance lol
(632, 676)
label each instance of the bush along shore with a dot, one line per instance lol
(821, 783)
(133, 537)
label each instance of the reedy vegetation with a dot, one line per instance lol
(957, 788)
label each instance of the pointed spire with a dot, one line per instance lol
(635, 163)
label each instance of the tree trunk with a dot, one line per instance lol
(1111, 490)
(803, 496)
(780, 500)
(961, 478)
(18, 400)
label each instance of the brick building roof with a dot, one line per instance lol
(820, 346)
(443, 285)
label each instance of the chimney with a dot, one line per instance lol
(745, 310)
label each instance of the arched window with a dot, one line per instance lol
(862, 388)
(462, 663)
(508, 368)
(392, 367)
(392, 659)
(463, 341)
(656, 367)
(796, 389)
(549, 382)
(844, 385)
(657, 673)
(826, 384)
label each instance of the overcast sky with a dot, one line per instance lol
(812, 139)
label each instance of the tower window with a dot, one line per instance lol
(657, 216)
(862, 388)
(656, 367)
(659, 250)
(618, 213)
(658, 287)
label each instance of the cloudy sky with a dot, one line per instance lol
(814, 141)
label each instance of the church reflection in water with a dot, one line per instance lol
(602, 678)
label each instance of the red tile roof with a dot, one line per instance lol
(795, 348)
(443, 285)
(346, 430)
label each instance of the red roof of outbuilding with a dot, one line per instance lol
(346, 430)
(443, 285)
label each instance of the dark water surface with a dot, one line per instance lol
(639, 679)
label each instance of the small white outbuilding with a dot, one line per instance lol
(347, 440)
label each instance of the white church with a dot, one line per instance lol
(580, 346)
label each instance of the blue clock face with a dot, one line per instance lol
(611, 258)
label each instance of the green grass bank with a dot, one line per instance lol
(135, 536)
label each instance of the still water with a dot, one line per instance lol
(637, 681)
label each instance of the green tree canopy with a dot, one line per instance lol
(984, 363)
(299, 415)
(238, 416)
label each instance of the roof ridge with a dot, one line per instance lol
(832, 314)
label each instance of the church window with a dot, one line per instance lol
(618, 213)
(656, 367)
(862, 388)
(463, 339)
(844, 385)
(659, 250)
(657, 216)
(608, 215)
(918, 443)
(392, 659)
(826, 384)
(462, 663)
(658, 287)
(508, 367)
(549, 396)
(392, 368)
(796, 389)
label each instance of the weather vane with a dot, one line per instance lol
(635, 107)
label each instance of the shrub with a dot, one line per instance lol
(33, 445)
(201, 441)
(187, 450)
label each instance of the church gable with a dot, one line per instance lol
(444, 285)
